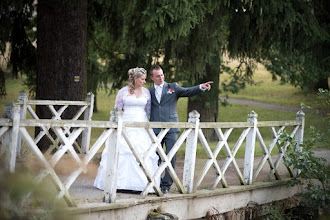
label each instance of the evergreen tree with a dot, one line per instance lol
(291, 38)
(188, 38)
(16, 22)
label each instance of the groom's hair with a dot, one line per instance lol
(154, 67)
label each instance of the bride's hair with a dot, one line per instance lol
(134, 72)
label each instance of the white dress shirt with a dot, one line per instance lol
(158, 92)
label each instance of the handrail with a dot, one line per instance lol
(191, 133)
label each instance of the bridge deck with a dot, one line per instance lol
(90, 205)
(188, 206)
(83, 190)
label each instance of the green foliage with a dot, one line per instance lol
(274, 213)
(311, 168)
(275, 33)
(22, 198)
(17, 22)
(312, 171)
(169, 20)
(189, 39)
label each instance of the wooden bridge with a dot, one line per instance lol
(191, 199)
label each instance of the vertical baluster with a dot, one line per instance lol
(190, 154)
(112, 144)
(86, 135)
(12, 112)
(299, 137)
(22, 99)
(250, 147)
(6, 137)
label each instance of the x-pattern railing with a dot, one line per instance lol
(192, 133)
(65, 147)
(85, 107)
(268, 150)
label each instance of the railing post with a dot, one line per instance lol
(299, 137)
(190, 154)
(86, 135)
(250, 147)
(10, 139)
(112, 144)
(6, 137)
(23, 99)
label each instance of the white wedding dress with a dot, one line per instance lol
(130, 176)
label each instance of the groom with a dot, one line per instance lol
(164, 98)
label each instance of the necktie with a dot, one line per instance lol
(158, 92)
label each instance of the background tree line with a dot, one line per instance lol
(99, 40)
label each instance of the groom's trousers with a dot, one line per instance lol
(169, 140)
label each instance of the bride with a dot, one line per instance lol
(135, 102)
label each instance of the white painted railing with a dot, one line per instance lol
(192, 132)
(56, 109)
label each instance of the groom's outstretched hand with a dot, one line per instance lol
(207, 85)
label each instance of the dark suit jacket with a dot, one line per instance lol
(166, 110)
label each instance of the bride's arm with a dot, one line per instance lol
(119, 103)
(148, 105)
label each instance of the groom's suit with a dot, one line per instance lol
(166, 111)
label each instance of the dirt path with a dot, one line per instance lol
(265, 105)
(262, 104)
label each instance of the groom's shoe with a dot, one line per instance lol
(165, 190)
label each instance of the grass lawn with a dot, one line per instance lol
(271, 91)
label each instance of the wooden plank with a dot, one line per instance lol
(239, 173)
(57, 114)
(6, 122)
(3, 130)
(97, 145)
(25, 135)
(156, 140)
(219, 177)
(68, 142)
(277, 123)
(265, 157)
(86, 136)
(171, 154)
(190, 154)
(80, 112)
(14, 138)
(142, 164)
(67, 145)
(147, 125)
(250, 144)
(167, 163)
(223, 139)
(31, 111)
(240, 141)
(66, 123)
(178, 143)
(225, 124)
(213, 159)
(55, 102)
(110, 189)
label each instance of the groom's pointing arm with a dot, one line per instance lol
(206, 86)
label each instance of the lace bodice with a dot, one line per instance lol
(133, 104)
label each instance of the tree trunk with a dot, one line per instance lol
(61, 54)
(321, 83)
(207, 102)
